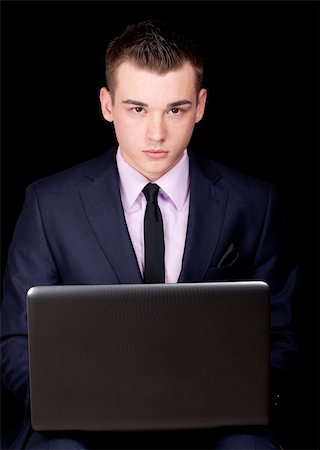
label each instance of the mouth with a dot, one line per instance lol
(155, 154)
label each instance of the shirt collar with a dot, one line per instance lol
(174, 184)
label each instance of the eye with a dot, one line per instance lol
(175, 111)
(137, 109)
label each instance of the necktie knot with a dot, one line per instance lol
(151, 193)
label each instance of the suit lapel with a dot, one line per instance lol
(206, 215)
(102, 203)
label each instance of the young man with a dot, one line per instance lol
(85, 225)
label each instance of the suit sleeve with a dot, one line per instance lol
(276, 263)
(30, 263)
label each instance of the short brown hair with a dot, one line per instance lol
(151, 45)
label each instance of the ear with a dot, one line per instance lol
(106, 104)
(202, 97)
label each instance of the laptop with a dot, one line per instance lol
(149, 356)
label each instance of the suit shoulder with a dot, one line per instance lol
(238, 179)
(228, 177)
(75, 176)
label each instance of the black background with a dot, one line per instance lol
(262, 73)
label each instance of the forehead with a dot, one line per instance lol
(142, 84)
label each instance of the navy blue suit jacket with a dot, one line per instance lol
(72, 230)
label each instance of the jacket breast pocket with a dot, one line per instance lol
(229, 273)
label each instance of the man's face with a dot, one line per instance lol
(154, 116)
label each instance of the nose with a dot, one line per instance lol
(156, 129)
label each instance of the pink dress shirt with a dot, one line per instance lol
(173, 200)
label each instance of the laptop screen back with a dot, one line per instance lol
(148, 357)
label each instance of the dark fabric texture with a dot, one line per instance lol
(72, 230)
(153, 237)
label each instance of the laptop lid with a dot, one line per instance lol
(148, 357)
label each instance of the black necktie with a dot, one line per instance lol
(153, 237)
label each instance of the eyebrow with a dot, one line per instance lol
(169, 105)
